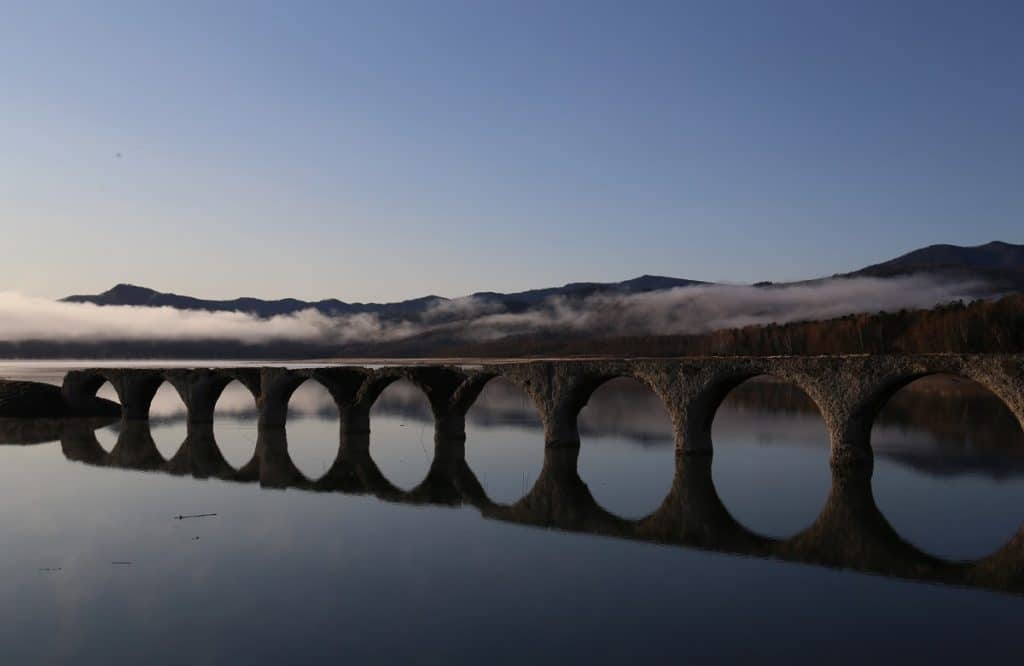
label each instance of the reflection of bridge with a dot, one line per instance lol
(848, 390)
(849, 533)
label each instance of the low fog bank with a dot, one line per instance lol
(682, 310)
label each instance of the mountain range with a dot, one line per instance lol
(998, 265)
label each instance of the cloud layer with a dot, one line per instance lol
(681, 310)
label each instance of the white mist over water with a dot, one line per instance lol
(683, 310)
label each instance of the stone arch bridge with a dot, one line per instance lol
(848, 390)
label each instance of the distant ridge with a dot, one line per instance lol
(129, 294)
(1000, 265)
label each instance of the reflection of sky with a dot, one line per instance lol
(397, 578)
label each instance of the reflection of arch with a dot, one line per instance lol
(561, 499)
(271, 465)
(199, 455)
(449, 480)
(354, 471)
(135, 448)
(851, 528)
(693, 514)
(851, 533)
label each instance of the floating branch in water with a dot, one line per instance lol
(193, 515)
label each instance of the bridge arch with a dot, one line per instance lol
(711, 392)
(168, 420)
(945, 426)
(401, 441)
(561, 391)
(764, 427)
(105, 436)
(626, 434)
(230, 438)
(883, 390)
(503, 429)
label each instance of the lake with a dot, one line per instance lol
(498, 551)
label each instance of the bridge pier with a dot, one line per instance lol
(354, 471)
(135, 390)
(135, 448)
(849, 441)
(560, 498)
(199, 456)
(848, 391)
(851, 528)
(78, 443)
(693, 514)
(199, 390)
(449, 479)
(276, 388)
(271, 464)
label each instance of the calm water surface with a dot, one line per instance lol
(427, 553)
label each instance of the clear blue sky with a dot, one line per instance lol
(385, 150)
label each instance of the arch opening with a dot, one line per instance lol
(504, 441)
(312, 428)
(402, 434)
(235, 424)
(949, 466)
(168, 420)
(107, 435)
(627, 447)
(771, 456)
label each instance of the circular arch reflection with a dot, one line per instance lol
(402, 433)
(235, 424)
(107, 435)
(168, 420)
(312, 428)
(850, 533)
(771, 456)
(627, 450)
(949, 454)
(504, 440)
